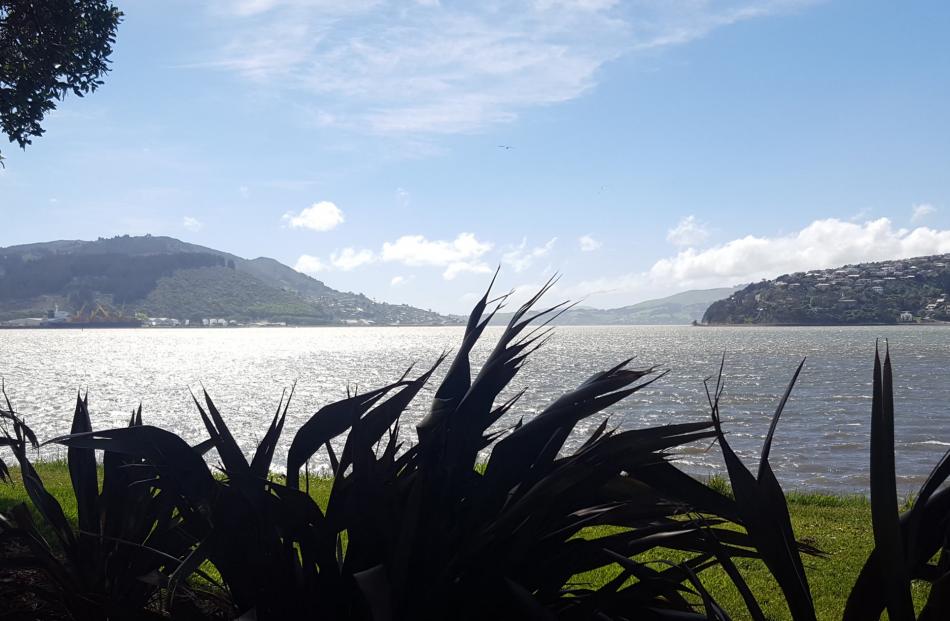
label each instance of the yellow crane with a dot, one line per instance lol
(78, 315)
(99, 314)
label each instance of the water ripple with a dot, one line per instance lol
(821, 443)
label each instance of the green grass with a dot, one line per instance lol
(839, 525)
(55, 476)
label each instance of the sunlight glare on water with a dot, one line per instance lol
(821, 442)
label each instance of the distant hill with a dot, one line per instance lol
(678, 309)
(886, 292)
(166, 277)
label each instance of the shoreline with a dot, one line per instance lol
(58, 467)
(323, 325)
(914, 324)
(462, 325)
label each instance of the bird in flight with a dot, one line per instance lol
(505, 147)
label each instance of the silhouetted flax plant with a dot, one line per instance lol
(426, 531)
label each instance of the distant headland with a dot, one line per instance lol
(907, 291)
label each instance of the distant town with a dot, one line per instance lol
(904, 291)
(102, 317)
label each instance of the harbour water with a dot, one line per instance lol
(821, 443)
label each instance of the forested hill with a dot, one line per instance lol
(909, 290)
(165, 277)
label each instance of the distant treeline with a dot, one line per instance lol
(126, 278)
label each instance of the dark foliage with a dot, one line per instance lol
(126, 545)
(471, 521)
(905, 545)
(49, 48)
(421, 533)
(763, 508)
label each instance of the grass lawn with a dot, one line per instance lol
(841, 526)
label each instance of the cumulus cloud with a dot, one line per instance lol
(398, 281)
(688, 232)
(192, 224)
(921, 211)
(344, 260)
(350, 258)
(307, 264)
(521, 257)
(463, 254)
(588, 243)
(820, 245)
(432, 67)
(322, 216)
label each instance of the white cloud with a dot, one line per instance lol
(521, 257)
(244, 191)
(463, 254)
(462, 267)
(921, 211)
(192, 224)
(350, 258)
(456, 257)
(307, 264)
(459, 255)
(688, 232)
(399, 281)
(588, 243)
(820, 245)
(322, 216)
(429, 67)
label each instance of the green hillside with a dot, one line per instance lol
(166, 277)
(222, 292)
(909, 290)
(678, 309)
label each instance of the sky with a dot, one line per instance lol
(405, 149)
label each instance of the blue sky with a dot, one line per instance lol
(656, 145)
